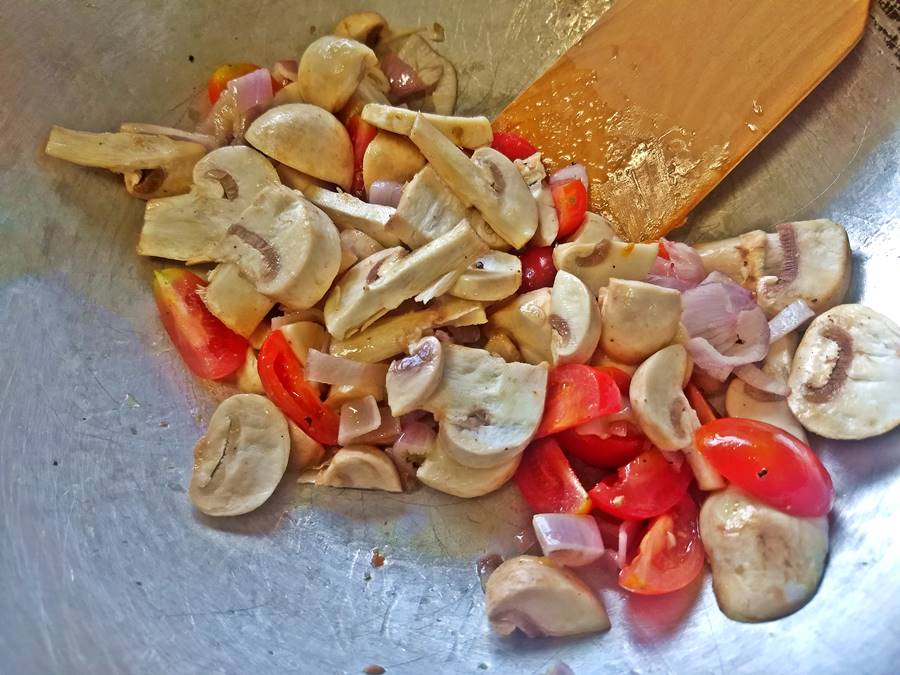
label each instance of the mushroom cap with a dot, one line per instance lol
(765, 563)
(815, 261)
(638, 319)
(526, 319)
(658, 402)
(488, 410)
(742, 400)
(241, 458)
(595, 264)
(845, 377)
(574, 320)
(306, 452)
(287, 247)
(413, 379)
(330, 70)
(363, 467)
(441, 472)
(391, 157)
(494, 276)
(306, 138)
(541, 598)
(234, 300)
(362, 26)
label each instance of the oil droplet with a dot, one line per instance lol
(757, 108)
(752, 127)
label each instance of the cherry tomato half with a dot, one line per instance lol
(547, 481)
(577, 394)
(209, 348)
(538, 270)
(699, 403)
(622, 379)
(769, 463)
(361, 134)
(611, 452)
(671, 553)
(645, 487)
(512, 145)
(222, 75)
(282, 379)
(571, 201)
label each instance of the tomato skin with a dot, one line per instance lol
(538, 270)
(547, 481)
(361, 134)
(512, 145)
(661, 567)
(571, 201)
(621, 378)
(611, 452)
(222, 75)
(699, 403)
(577, 394)
(283, 381)
(208, 347)
(772, 465)
(645, 487)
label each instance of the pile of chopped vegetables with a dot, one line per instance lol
(405, 296)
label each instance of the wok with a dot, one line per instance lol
(105, 567)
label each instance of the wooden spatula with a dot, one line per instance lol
(662, 98)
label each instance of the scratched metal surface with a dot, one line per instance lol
(105, 568)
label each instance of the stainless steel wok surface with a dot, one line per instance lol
(104, 566)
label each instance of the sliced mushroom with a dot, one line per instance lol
(339, 394)
(363, 467)
(305, 451)
(234, 300)
(391, 157)
(286, 246)
(359, 243)
(593, 230)
(574, 320)
(440, 287)
(364, 27)
(247, 376)
(845, 377)
(466, 132)
(596, 264)
(414, 378)
(303, 336)
(441, 472)
(436, 71)
(189, 227)
(153, 166)
(499, 344)
(330, 70)
(427, 209)
(533, 173)
(494, 276)
(742, 258)
(600, 359)
(660, 406)
(765, 563)
(241, 458)
(391, 335)
(289, 93)
(526, 319)
(814, 265)
(638, 319)
(742, 400)
(541, 598)
(497, 190)
(367, 292)
(306, 138)
(345, 210)
(488, 410)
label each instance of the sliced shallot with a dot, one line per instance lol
(329, 369)
(358, 417)
(568, 539)
(387, 432)
(760, 379)
(683, 269)
(571, 172)
(385, 192)
(285, 70)
(405, 81)
(789, 319)
(253, 90)
(628, 540)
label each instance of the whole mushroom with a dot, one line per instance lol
(330, 70)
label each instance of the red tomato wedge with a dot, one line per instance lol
(609, 452)
(512, 145)
(361, 134)
(222, 75)
(671, 553)
(571, 201)
(621, 378)
(577, 394)
(209, 348)
(283, 381)
(538, 270)
(547, 481)
(645, 487)
(699, 403)
(769, 463)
